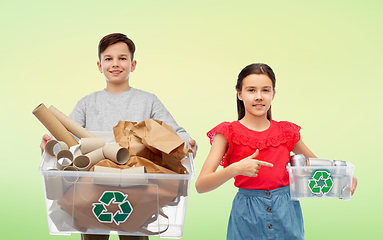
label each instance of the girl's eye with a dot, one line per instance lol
(251, 90)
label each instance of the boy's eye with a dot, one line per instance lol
(108, 59)
(123, 58)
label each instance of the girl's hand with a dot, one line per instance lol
(354, 184)
(250, 166)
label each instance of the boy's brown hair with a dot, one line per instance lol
(113, 38)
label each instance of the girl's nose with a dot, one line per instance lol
(258, 96)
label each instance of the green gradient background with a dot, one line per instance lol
(327, 56)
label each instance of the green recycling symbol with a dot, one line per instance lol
(100, 211)
(321, 182)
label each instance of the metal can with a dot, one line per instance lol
(299, 187)
(341, 167)
(319, 162)
(298, 161)
(337, 187)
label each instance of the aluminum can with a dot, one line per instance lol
(299, 187)
(319, 162)
(336, 190)
(341, 167)
(298, 162)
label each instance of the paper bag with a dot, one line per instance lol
(145, 200)
(153, 140)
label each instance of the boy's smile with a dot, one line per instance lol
(116, 65)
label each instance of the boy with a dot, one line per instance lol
(101, 110)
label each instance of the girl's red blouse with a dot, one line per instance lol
(274, 144)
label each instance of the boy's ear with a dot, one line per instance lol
(99, 66)
(134, 63)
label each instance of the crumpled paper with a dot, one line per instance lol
(153, 140)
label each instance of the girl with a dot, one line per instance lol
(262, 208)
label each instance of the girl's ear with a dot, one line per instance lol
(273, 94)
(239, 94)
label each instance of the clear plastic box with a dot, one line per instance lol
(147, 204)
(321, 181)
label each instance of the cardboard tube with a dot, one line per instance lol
(91, 144)
(64, 159)
(53, 186)
(53, 125)
(69, 181)
(128, 179)
(116, 153)
(71, 125)
(53, 147)
(95, 156)
(110, 179)
(82, 163)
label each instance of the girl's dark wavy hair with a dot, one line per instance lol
(255, 68)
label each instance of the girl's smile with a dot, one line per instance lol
(257, 94)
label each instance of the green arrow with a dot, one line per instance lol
(125, 207)
(105, 217)
(107, 197)
(312, 184)
(325, 175)
(98, 208)
(120, 217)
(316, 190)
(329, 182)
(325, 190)
(317, 175)
(119, 196)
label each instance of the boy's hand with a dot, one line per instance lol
(192, 145)
(44, 141)
(250, 166)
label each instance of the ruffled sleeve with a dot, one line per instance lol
(227, 131)
(291, 132)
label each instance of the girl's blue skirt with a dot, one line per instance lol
(258, 214)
